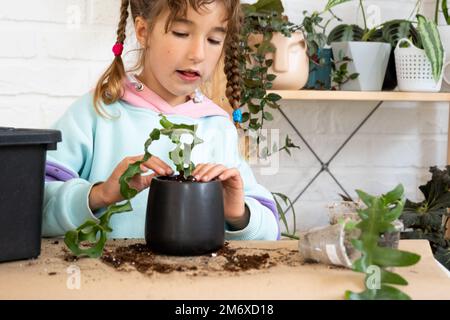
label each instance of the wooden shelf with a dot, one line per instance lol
(361, 95)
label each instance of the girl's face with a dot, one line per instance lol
(179, 61)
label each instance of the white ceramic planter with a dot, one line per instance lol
(290, 60)
(370, 60)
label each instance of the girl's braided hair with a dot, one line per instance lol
(109, 87)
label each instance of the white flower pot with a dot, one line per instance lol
(370, 60)
(414, 72)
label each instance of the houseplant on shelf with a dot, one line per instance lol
(180, 199)
(420, 69)
(369, 55)
(263, 18)
(319, 53)
(268, 35)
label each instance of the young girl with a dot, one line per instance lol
(104, 131)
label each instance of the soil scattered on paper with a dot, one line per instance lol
(233, 260)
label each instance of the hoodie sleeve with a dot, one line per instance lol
(263, 223)
(67, 189)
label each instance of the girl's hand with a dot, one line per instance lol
(108, 192)
(233, 191)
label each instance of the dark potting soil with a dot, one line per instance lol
(180, 177)
(141, 258)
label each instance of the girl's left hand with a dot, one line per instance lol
(233, 188)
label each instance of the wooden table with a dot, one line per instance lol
(51, 277)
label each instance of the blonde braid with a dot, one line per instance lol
(109, 86)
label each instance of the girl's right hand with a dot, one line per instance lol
(108, 192)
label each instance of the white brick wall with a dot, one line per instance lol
(52, 52)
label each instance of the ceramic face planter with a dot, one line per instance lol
(290, 60)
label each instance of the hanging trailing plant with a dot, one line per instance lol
(264, 18)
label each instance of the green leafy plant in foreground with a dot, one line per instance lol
(94, 233)
(375, 260)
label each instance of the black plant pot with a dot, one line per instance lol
(390, 79)
(184, 218)
(23, 154)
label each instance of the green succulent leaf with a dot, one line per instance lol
(432, 44)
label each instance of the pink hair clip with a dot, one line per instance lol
(117, 49)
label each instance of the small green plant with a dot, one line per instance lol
(427, 219)
(375, 260)
(287, 202)
(315, 28)
(89, 239)
(340, 74)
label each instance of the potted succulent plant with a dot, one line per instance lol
(361, 245)
(184, 217)
(377, 261)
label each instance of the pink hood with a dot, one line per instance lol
(138, 95)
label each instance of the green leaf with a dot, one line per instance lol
(273, 97)
(387, 257)
(166, 124)
(332, 3)
(268, 116)
(445, 11)
(394, 30)
(432, 44)
(253, 108)
(392, 278)
(384, 293)
(266, 6)
(245, 116)
(125, 190)
(345, 32)
(366, 198)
